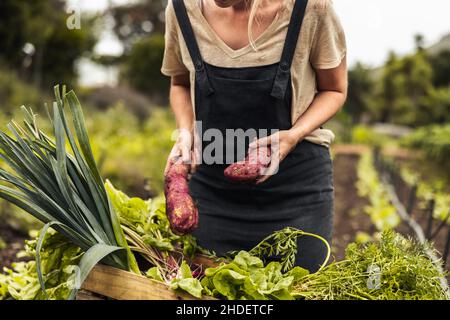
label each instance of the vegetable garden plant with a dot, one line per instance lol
(88, 221)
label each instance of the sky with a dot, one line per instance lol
(372, 27)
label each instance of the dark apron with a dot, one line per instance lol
(238, 216)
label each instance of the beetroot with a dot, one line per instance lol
(180, 207)
(249, 170)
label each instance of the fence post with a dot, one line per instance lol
(442, 225)
(376, 157)
(446, 250)
(430, 212)
(411, 199)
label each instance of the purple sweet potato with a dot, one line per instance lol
(177, 170)
(180, 207)
(248, 170)
(177, 185)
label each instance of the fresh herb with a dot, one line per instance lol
(396, 268)
(283, 244)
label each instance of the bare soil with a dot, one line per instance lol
(349, 216)
(14, 243)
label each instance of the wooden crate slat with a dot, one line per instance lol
(87, 295)
(122, 285)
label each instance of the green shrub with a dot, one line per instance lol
(14, 93)
(434, 141)
(142, 67)
(132, 153)
(364, 135)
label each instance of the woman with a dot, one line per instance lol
(259, 64)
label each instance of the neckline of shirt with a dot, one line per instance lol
(195, 7)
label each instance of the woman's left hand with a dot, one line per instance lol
(281, 144)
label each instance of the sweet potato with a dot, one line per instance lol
(180, 207)
(177, 185)
(177, 170)
(249, 170)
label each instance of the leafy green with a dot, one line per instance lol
(246, 277)
(59, 260)
(148, 219)
(185, 281)
(380, 209)
(153, 273)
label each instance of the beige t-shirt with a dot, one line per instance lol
(321, 45)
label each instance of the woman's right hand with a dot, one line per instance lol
(182, 150)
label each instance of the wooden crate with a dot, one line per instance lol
(106, 282)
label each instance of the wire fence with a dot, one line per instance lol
(426, 227)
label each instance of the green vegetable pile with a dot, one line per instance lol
(403, 269)
(59, 259)
(396, 268)
(146, 220)
(246, 278)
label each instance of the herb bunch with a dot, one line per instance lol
(405, 273)
(283, 244)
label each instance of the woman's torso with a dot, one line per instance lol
(269, 44)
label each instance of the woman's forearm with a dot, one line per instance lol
(180, 101)
(325, 105)
(332, 86)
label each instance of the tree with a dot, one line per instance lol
(35, 41)
(390, 89)
(441, 68)
(361, 92)
(132, 22)
(419, 40)
(142, 67)
(418, 77)
(405, 84)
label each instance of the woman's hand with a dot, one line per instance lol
(182, 150)
(281, 144)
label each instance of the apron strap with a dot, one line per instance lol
(192, 45)
(282, 77)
